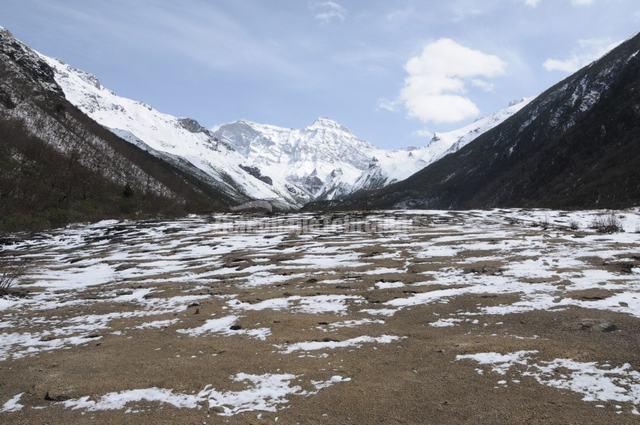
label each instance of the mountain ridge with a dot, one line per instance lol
(349, 166)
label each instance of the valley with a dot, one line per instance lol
(320, 212)
(246, 160)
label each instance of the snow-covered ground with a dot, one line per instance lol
(308, 288)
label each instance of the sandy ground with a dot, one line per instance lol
(492, 317)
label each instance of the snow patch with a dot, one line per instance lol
(595, 382)
(323, 345)
(389, 285)
(263, 393)
(225, 326)
(13, 404)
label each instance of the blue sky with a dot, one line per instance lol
(391, 71)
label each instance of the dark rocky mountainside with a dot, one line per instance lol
(57, 165)
(575, 146)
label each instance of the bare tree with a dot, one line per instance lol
(607, 223)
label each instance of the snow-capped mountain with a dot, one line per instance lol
(326, 160)
(250, 161)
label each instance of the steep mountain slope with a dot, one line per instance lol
(576, 145)
(60, 165)
(183, 142)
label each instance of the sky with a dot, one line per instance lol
(394, 72)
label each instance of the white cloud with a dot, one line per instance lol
(435, 84)
(532, 3)
(328, 11)
(588, 50)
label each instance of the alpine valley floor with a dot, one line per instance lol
(422, 317)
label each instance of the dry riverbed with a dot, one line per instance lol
(427, 317)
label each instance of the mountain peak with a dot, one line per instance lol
(243, 121)
(327, 123)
